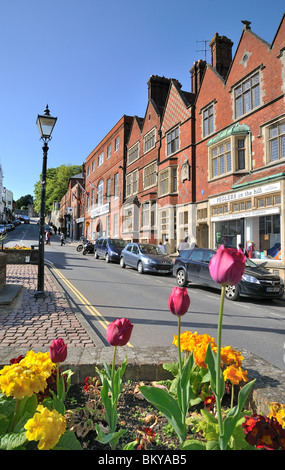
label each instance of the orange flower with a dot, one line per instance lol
(231, 356)
(235, 374)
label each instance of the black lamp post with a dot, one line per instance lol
(45, 124)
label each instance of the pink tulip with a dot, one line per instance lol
(227, 266)
(179, 301)
(119, 332)
(58, 351)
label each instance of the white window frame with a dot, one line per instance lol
(150, 175)
(149, 140)
(133, 153)
(173, 141)
(247, 95)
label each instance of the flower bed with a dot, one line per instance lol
(192, 403)
(21, 255)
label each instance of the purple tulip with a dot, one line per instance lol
(179, 301)
(227, 266)
(119, 332)
(58, 351)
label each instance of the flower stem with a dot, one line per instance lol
(113, 364)
(179, 349)
(218, 365)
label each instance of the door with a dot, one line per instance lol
(194, 265)
(205, 276)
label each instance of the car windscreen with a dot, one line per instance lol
(117, 243)
(150, 250)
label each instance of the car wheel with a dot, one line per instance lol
(181, 278)
(232, 292)
(96, 255)
(107, 258)
(140, 267)
(122, 263)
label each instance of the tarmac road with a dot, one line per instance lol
(102, 292)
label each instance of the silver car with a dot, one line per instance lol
(146, 258)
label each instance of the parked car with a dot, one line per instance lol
(109, 248)
(146, 258)
(193, 266)
(2, 229)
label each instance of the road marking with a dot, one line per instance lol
(103, 322)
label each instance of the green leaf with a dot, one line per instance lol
(172, 367)
(12, 441)
(192, 444)
(110, 438)
(184, 387)
(68, 441)
(212, 445)
(235, 413)
(168, 406)
(211, 361)
(4, 423)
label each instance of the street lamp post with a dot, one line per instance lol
(45, 125)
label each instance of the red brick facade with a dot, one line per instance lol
(207, 163)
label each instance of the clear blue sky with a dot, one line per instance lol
(90, 61)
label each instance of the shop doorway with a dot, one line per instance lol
(202, 236)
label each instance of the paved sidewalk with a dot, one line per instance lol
(33, 324)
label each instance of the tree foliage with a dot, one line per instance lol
(56, 185)
(24, 201)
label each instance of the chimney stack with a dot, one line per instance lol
(221, 54)
(197, 73)
(158, 89)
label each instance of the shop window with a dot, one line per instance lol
(277, 200)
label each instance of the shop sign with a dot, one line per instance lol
(241, 215)
(100, 210)
(257, 191)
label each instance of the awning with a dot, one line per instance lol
(235, 129)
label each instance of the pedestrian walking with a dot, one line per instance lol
(183, 245)
(47, 237)
(62, 242)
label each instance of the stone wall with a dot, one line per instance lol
(24, 256)
(3, 264)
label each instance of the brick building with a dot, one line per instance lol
(209, 163)
(240, 146)
(71, 208)
(105, 182)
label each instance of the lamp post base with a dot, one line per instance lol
(40, 295)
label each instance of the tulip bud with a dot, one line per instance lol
(58, 351)
(119, 332)
(227, 266)
(179, 301)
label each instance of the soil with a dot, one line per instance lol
(134, 415)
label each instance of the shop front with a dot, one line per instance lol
(251, 217)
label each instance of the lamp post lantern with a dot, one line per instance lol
(45, 125)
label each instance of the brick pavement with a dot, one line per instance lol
(33, 324)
